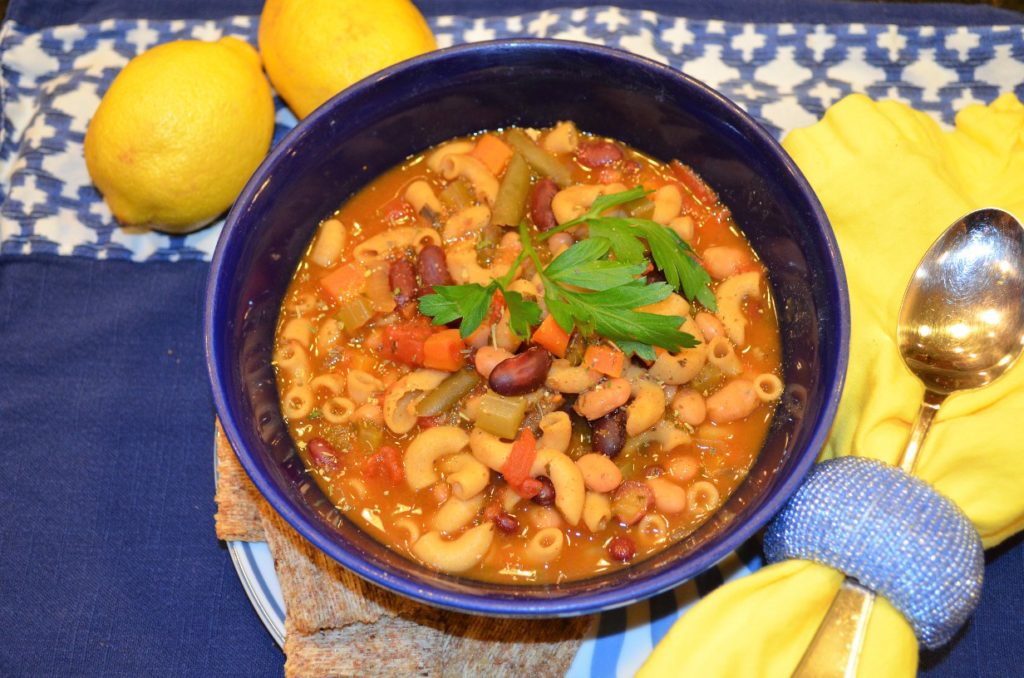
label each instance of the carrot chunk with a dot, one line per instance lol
(443, 351)
(551, 336)
(492, 152)
(344, 282)
(605, 359)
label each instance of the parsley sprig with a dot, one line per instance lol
(594, 285)
(671, 254)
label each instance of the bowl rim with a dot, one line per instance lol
(631, 590)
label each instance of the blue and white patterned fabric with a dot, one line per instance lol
(784, 74)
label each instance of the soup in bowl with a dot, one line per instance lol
(499, 328)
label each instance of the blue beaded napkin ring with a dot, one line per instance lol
(893, 533)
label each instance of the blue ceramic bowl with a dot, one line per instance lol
(377, 123)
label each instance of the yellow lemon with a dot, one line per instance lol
(179, 132)
(313, 49)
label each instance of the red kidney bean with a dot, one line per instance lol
(433, 268)
(654, 276)
(540, 204)
(521, 373)
(402, 279)
(631, 502)
(608, 433)
(546, 496)
(322, 454)
(594, 154)
(621, 548)
(506, 523)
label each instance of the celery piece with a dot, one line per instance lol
(456, 195)
(354, 313)
(642, 208)
(538, 158)
(448, 393)
(369, 433)
(378, 289)
(510, 205)
(501, 415)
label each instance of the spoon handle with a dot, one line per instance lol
(835, 648)
(925, 416)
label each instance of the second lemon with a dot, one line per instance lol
(313, 49)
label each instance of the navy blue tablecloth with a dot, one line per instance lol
(109, 564)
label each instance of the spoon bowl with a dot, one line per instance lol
(961, 325)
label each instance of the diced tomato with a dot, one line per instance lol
(397, 211)
(516, 469)
(609, 175)
(386, 463)
(430, 422)
(404, 343)
(694, 184)
(529, 488)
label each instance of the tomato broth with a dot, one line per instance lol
(530, 447)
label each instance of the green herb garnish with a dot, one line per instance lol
(585, 287)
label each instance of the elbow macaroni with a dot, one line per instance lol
(428, 447)
(456, 555)
(484, 184)
(731, 294)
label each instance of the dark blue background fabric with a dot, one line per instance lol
(42, 13)
(109, 564)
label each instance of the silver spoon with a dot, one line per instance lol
(961, 327)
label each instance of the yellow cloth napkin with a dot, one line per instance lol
(891, 180)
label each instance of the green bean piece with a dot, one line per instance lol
(456, 195)
(510, 205)
(354, 314)
(538, 158)
(370, 434)
(501, 415)
(448, 393)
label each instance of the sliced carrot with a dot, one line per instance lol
(551, 336)
(357, 360)
(605, 359)
(344, 282)
(516, 468)
(443, 351)
(492, 152)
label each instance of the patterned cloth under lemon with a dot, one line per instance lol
(891, 180)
